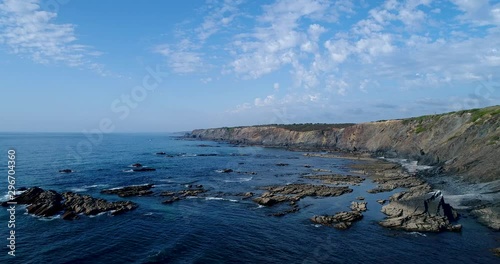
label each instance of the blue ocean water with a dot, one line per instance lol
(218, 228)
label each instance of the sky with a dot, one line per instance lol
(158, 66)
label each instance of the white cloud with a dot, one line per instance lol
(31, 32)
(276, 86)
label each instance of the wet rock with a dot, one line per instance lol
(207, 155)
(294, 209)
(49, 203)
(65, 171)
(69, 215)
(227, 170)
(361, 198)
(359, 206)
(496, 251)
(302, 190)
(307, 166)
(161, 153)
(171, 200)
(137, 165)
(141, 169)
(134, 190)
(341, 220)
(282, 164)
(381, 201)
(488, 214)
(92, 206)
(336, 179)
(321, 170)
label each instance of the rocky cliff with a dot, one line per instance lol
(464, 143)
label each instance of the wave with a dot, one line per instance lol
(99, 214)
(6, 196)
(240, 180)
(120, 187)
(210, 198)
(87, 187)
(417, 234)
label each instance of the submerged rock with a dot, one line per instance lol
(134, 190)
(65, 171)
(140, 169)
(341, 220)
(161, 153)
(336, 179)
(137, 165)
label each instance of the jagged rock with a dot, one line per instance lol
(134, 190)
(341, 220)
(49, 203)
(358, 206)
(361, 198)
(420, 210)
(227, 170)
(65, 171)
(382, 201)
(496, 251)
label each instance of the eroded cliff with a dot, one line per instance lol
(464, 143)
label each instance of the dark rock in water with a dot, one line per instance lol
(207, 155)
(92, 206)
(137, 165)
(65, 171)
(359, 206)
(49, 203)
(361, 198)
(140, 169)
(171, 200)
(307, 166)
(134, 190)
(161, 153)
(294, 209)
(341, 220)
(336, 179)
(382, 201)
(496, 251)
(282, 164)
(69, 215)
(227, 170)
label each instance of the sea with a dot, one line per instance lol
(217, 227)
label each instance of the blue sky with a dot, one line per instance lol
(74, 65)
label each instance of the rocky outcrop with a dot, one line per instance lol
(359, 206)
(49, 203)
(134, 190)
(419, 209)
(175, 196)
(341, 220)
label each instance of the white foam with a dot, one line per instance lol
(417, 234)
(79, 189)
(240, 180)
(99, 214)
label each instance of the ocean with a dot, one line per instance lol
(218, 227)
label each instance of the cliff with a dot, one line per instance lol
(464, 143)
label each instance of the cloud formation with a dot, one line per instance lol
(31, 32)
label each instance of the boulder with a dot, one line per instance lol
(65, 171)
(359, 206)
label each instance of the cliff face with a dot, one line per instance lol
(465, 143)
